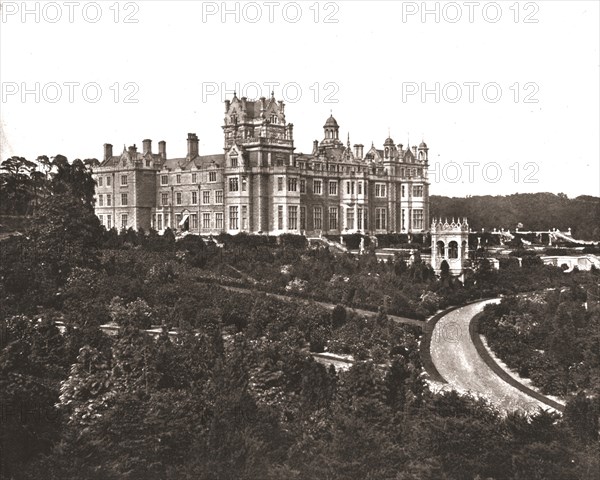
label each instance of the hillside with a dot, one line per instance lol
(537, 211)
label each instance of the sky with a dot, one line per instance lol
(505, 94)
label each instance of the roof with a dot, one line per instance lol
(331, 122)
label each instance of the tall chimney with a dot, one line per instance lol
(147, 146)
(162, 149)
(315, 146)
(358, 150)
(192, 142)
(108, 152)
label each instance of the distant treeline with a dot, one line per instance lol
(535, 211)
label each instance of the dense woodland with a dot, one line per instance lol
(535, 211)
(550, 337)
(236, 393)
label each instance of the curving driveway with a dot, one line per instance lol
(456, 358)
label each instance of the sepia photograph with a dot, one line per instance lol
(300, 240)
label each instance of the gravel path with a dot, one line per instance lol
(457, 360)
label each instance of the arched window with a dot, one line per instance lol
(463, 251)
(453, 250)
(440, 248)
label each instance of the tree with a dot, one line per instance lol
(65, 233)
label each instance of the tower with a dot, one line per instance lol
(331, 133)
(449, 243)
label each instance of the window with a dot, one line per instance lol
(279, 184)
(99, 181)
(177, 219)
(244, 217)
(148, 163)
(333, 218)
(194, 198)
(380, 218)
(417, 221)
(233, 218)
(164, 179)
(359, 224)
(360, 188)
(453, 250)
(418, 191)
(108, 222)
(350, 218)
(302, 186)
(178, 197)
(234, 162)
(293, 218)
(380, 190)
(280, 217)
(219, 220)
(302, 218)
(178, 178)
(108, 181)
(194, 221)
(124, 199)
(317, 187)
(164, 199)
(123, 179)
(234, 184)
(212, 177)
(124, 221)
(219, 197)
(292, 184)
(206, 197)
(403, 191)
(100, 200)
(352, 188)
(318, 218)
(206, 220)
(347, 188)
(108, 200)
(101, 218)
(194, 177)
(333, 187)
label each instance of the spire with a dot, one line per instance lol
(348, 142)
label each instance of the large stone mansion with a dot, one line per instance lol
(259, 185)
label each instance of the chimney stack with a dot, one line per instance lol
(108, 151)
(358, 150)
(192, 142)
(162, 149)
(147, 146)
(315, 147)
(133, 151)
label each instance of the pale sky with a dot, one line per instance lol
(517, 83)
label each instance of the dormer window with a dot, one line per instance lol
(234, 161)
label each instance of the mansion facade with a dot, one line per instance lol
(260, 185)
